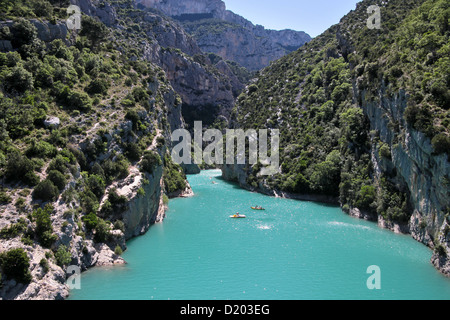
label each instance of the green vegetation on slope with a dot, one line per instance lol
(414, 56)
(314, 97)
(109, 104)
(45, 9)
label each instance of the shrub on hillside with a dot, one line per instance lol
(19, 167)
(150, 161)
(58, 179)
(44, 228)
(90, 221)
(15, 265)
(102, 231)
(441, 143)
(24, 32)
(18, 80)
(63, 256)
(46, 191)
(98, 86)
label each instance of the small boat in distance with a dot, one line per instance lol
(258, 208)
(238, 216)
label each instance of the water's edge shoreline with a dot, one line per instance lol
(237, 175)
(188, 192)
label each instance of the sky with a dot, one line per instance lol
(311, 16)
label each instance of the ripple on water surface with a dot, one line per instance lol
(291, 250)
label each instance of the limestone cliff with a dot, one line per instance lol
(104, 11)
(129, 124)
(174, 8)
(46, 31)
(229, 35)
(206, 92)
(413, 167)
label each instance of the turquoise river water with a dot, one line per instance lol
(293, 250)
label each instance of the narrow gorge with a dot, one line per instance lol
(87, 115)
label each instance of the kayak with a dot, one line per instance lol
(255, 208)
(235, 216)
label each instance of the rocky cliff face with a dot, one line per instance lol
(144, 206)
(143, 210)
(412, 165)
(203, 87)
(238, 44)
(205, 94)
(207, 90)
(176, 8)
(415, 168)
(141, 193)
(104, 11)
(46, 31)
(229, 35)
